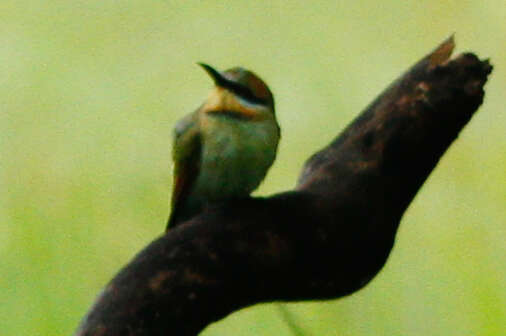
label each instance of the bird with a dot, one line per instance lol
(223, 149)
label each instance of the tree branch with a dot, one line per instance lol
(327, 238)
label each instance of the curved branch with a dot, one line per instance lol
(327, 238)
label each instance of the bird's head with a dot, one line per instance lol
(238, 92)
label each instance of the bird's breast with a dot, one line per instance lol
(236, 155)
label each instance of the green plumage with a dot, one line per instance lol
(221, 153)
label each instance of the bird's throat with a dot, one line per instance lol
(222, 102)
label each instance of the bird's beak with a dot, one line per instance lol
(219, 80)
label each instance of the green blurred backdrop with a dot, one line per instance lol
(90, 91)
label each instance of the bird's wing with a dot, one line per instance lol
(186, 154)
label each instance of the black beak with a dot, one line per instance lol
(219, 80)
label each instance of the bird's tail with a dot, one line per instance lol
(180, 215)
(171, 222)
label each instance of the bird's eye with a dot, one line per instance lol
(246, 94)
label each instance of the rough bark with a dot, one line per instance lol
(327, 238)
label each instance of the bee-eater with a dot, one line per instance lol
(223, 149)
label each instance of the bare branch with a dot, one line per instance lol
(327, 238)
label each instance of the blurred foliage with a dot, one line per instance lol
(90, 91)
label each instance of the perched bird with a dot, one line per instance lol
(223, 149)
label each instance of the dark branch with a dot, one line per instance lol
(326, 239)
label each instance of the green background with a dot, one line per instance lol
(89, 94)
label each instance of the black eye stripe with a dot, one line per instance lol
(243, 92)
